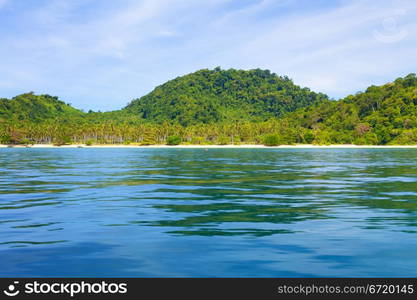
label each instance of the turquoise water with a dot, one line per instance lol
(195, 213)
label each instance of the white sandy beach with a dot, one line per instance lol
(300, 146)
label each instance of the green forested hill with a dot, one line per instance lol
(223, 107)
(209, 96)
(384, 114)
(36, 108)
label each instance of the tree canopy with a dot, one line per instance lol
(384, 114)
(223, 107)
(210, 96)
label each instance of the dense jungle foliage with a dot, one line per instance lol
(209, 96)
(222, 107)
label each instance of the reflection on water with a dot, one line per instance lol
(222, 212)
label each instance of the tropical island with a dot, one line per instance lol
(222, 107)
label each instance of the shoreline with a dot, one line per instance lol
(245, 146)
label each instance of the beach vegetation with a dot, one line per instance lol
(222, 107)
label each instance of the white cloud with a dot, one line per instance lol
(334, 51)
(102, 54)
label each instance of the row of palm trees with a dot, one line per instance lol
(112, 132)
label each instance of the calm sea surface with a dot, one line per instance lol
(196, 213)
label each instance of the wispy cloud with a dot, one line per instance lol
(101, 54)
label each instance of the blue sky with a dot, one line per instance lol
(100, 54)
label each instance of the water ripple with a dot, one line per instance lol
(231, 212)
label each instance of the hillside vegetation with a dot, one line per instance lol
(209, 96)
(36, 108)
(223, 107)
(384, 114)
